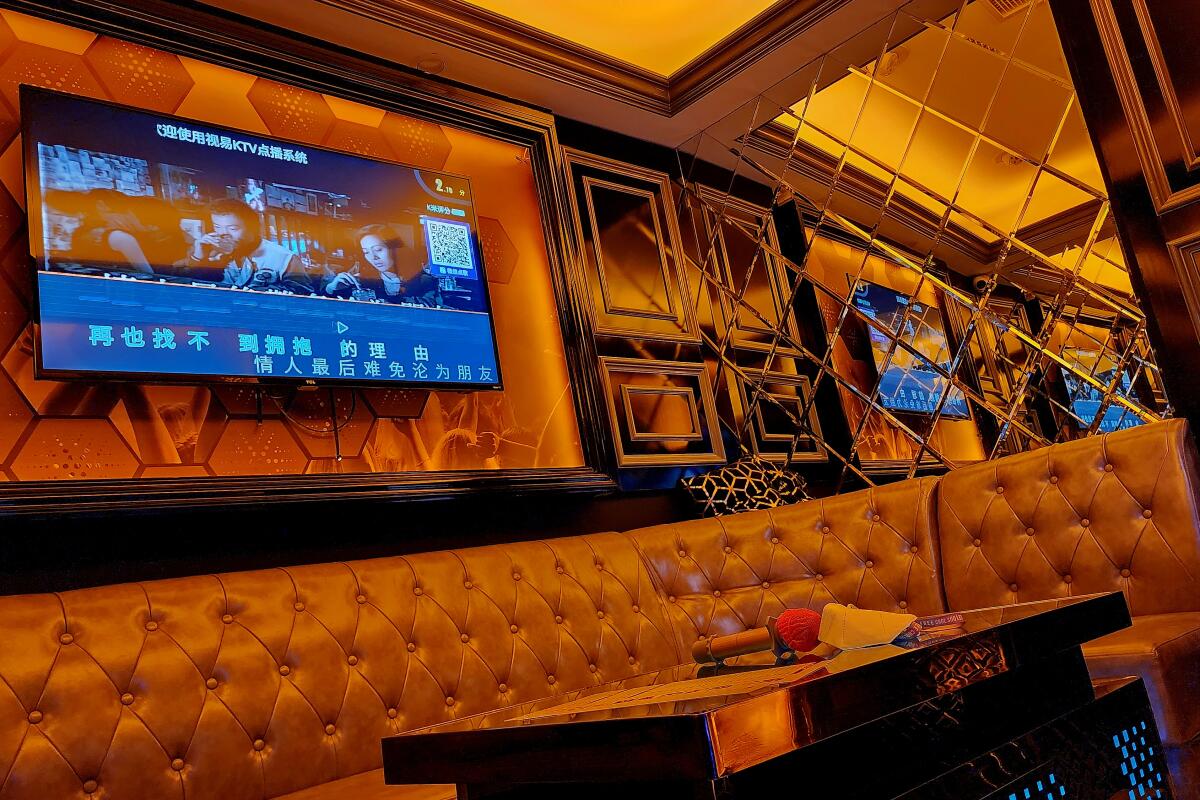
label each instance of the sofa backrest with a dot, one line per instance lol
(871, 549)
(255, 684)
(1111, 512)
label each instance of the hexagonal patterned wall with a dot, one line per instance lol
(77, 431)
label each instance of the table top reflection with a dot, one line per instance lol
(717, 720)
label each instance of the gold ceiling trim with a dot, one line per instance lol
(462, 25)
(1066, 227)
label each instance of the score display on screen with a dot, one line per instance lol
(908, 382)
(167, 249)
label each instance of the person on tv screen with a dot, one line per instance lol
(106, 229)
(236, 254)
(393, 275)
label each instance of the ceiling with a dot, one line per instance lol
(661, 36)
(942, 127)
(660, 70)
(958, 123)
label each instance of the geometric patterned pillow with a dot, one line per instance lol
(746, 484)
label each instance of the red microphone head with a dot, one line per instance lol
(798, 628)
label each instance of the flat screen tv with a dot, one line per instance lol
(1086, 399)
(908, 382)
(172, 250)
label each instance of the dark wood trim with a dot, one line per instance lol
(62, 497)
(191, 29)
(460, 24)
(1154, 231)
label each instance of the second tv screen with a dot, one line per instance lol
(908, 381)
(174, 249)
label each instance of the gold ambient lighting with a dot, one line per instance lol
(942, 156)
(660, 36)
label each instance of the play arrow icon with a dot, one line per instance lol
(342, 327)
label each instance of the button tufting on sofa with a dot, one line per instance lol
(640, 608)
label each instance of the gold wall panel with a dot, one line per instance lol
(86, 431)
(629, 237)
(667, 432)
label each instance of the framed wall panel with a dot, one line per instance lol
(777, 426)
(662, 413)
(630, 247)
(641, 402)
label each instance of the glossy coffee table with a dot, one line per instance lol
(1001, 709)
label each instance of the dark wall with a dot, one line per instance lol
(676, 163)
(41, 553)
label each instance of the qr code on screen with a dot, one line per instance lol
(449, 244)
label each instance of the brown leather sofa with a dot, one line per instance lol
(280, 683)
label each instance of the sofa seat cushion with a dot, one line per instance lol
(1164, 651)
(370, 786)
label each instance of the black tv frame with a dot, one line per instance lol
(31, 166)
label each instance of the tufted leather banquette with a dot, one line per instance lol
(871, 549)
(254, 685)
(1115, 512)
(280, 683)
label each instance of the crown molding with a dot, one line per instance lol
(1069, 227)
(460, 24)
(762, 35)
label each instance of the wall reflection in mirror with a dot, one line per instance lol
(934, 275)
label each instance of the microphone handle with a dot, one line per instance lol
(719, 648)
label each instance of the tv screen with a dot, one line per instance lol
(167, 249)
(908, 382)
(1086, 399)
